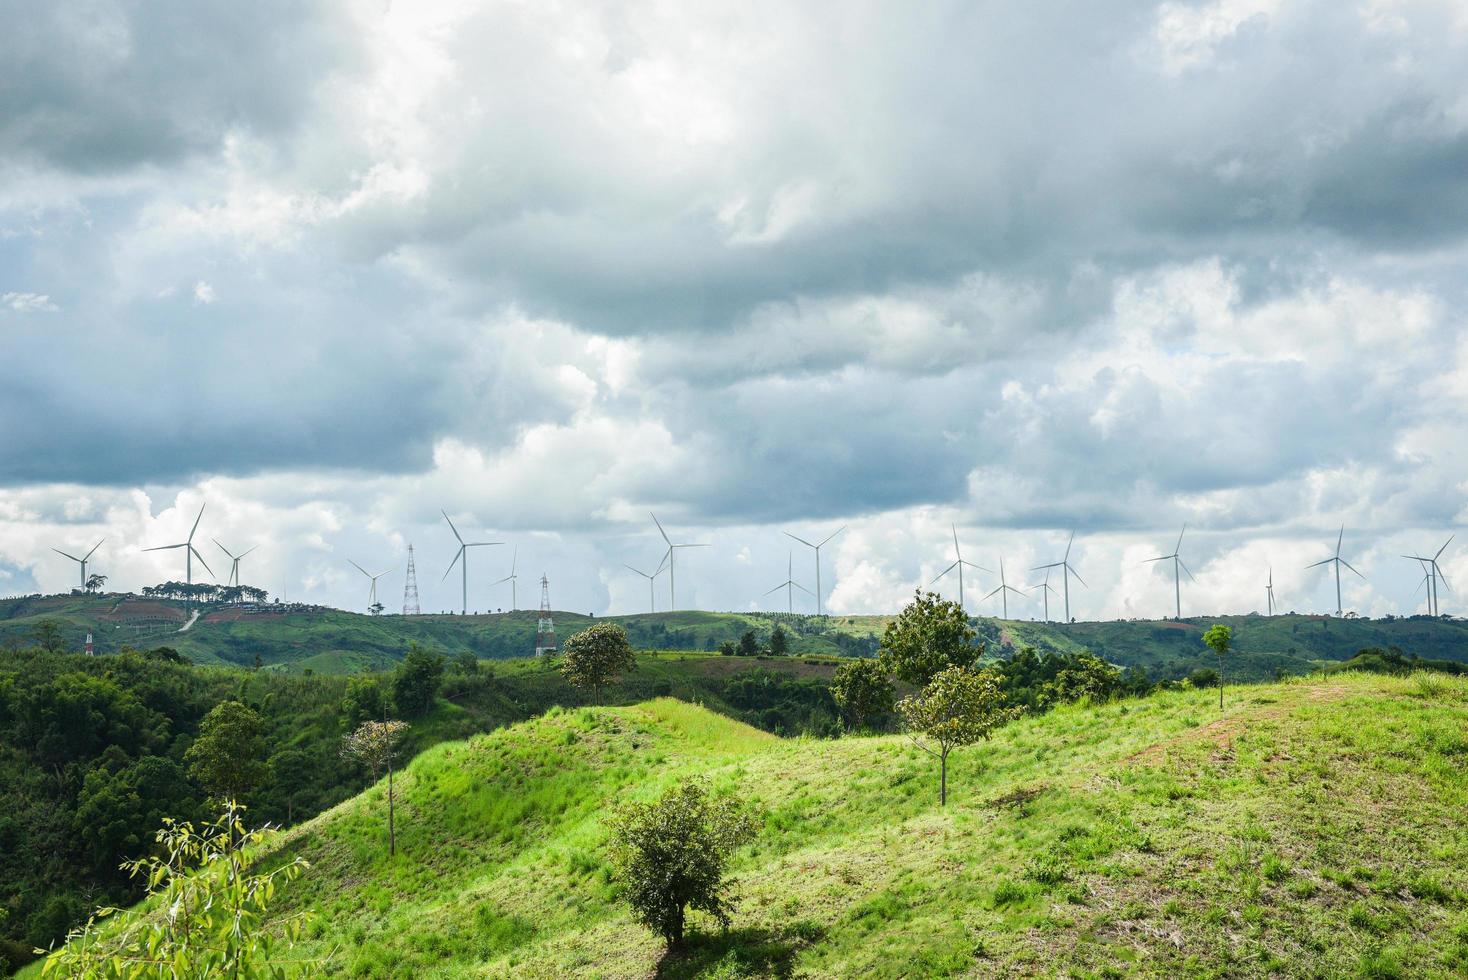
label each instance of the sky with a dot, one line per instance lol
(332, 268)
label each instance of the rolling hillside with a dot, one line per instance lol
(1315, 828)
(334, 641)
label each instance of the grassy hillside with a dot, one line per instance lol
(1315, 828)
(331, 641)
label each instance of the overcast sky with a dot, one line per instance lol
(754, 266)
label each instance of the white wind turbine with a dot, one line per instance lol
(1269, 590)
(1177, 569)
(461, 558)
(789, 585)
(652, 600)
(513, 579)
(959, 564)
(1433, 573)
(234, 562)
(1003, 591)
(1338, 561)
(372, 590)
(817, 548)
(1066, 572)
(190, 552)
(1045, 589)
(82, 561)
(671, 559)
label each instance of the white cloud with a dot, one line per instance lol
(29, 302)
(203, 293)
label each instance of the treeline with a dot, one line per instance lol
(204, 592)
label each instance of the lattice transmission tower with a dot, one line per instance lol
(410, 587)
(545, 630)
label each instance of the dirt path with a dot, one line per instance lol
(1222, 730)
(192, 620)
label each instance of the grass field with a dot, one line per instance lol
(1315, 828)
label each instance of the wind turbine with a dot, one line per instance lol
(1067, 571)
(1177, 568)
(190, 552)
(652, 600)
(1338, 561)
(1045, 590)
(372, 591)
(1433, 572)
(234, 567)
(670, 557)
(1003, 591)
(513, 579)
(817, 548)
(1270, 590)
(82, 561)
(463, 553)
(789, 585)
(959, 564)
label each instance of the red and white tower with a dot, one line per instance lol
(90, 651)
(545, 630)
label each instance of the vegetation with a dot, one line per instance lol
(670, 856)
(374, 744)
(416, 682)
(1218, 639)
(862, 688)
(595, 657)
(930, 636)
(960, 706)
(228, 757)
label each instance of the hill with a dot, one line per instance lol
(333, 641)
(1313, 829)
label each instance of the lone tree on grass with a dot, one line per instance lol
(228, 757)
(670, 856)
(595, 657)
(959, 707)
(929, 636)
(375, 745)
(862, 688)
(1219, 638)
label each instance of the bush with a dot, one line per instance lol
(416, 682)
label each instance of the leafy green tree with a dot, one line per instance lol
(959, 706)
(123, 804)
(416, 682)
(362, 702)
(928, 637)
(862, 688)
(95, 583)
(375, 745)
(726, 649)
(48, 636)
(228, 757)
(218, 924)
(779, 641)
(671, 855)
(1083, 676)
(466, 663)
(748, 644)
(596, 656)
(1219, 638)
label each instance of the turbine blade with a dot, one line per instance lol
(167, 547)
(775, 589)
(1186, 569)
(1326, 561)
(979, 568)
(1444, 547)
(221, 547)
(358, 567)
(457, 555)
(75, 558)
(201, 559)
(514, 557)
(703, 545)
(660, 528)
(196, 525)
(832, 535)
(943, 573)
(1158, 558)
(1177, 548)
(1443, 578)
(1053, 564)
(801, 540)
(957, 553)
(1348, 565)
(1068, 544)
(1339, 538)
(802, 588)
(245, 552)
(637, 570)
(1078, 576)
(451, 525)
(99, 544)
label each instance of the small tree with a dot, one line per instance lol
(928, 637)
(363, 702)
(748, 644)
(95, 582)
(862, 688)
(228, 757)
(48, 636)
(216, 920)
(416, 682)
(1219, 638)
(466, 663)
(595, 657)
(375, 745)
(779, 641)
(670, 856)
(959, 707)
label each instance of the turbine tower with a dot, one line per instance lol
(461, 558)
(190, 552)
(959, 564)
(1177, 569)
(670, 558)
(234, 562)
(817, 549)
(372, 590)
(1338, 561)
(1045, 590)
(1433, 572)
(652, 601)
(513, 579)
(1003, 591)
(789, 585)
(82, 561)
(1066, 572)
(1269, 590)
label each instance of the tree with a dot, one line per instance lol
(959, 706)
(1219, 638)
(48, 636)
(228, 757)
(748, 644)
(95, 582)
(779, 642)
(928, 637)
(466, 663)
(670, 856)
(219, 922)
(416, 682)
(375, 745)
(362, 702)
(862, 688)
(595, 656)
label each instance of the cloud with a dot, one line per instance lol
(203, 293)
(29, 302)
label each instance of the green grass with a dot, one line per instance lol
(1316, 828)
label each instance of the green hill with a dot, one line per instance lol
(332, 641)
(1314, 829)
